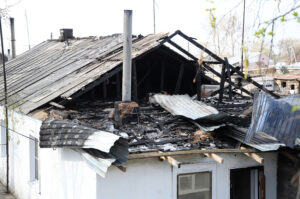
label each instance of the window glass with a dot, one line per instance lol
(3, 139)
(33, 151)
(194, 186)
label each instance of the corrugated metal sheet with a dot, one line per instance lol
(183, 105)
(276, 118)
(54, 68)
(99, 148)
(205, 117)
(99, 165)
(260, 141)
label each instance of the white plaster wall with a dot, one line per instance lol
(19, 180)
(65, 175)
(62, 172)
(151, 178)
(146, 179)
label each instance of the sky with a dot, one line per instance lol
(99, 18)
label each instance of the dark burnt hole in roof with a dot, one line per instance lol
(157, 71)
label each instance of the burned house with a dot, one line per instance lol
(171, 142)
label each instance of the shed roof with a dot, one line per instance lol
(288, 77)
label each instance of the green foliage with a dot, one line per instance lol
(295, 14)
(260, 32)
(211, 17)
(295, 108)
(282, 19)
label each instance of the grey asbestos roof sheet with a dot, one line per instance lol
(59, 69)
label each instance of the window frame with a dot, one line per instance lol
(33, 154)
(3, 139)
(195, 168)
(193, 181)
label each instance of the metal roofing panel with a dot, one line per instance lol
(54, 68)
(183, 105)
(57, 133)
(260, 141)
(99, 165)
(276, 118)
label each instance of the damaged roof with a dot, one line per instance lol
(99, 148)
(60, 69)
(158, 128)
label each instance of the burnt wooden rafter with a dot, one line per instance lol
(207, 67)
(218, 61)
(134, 81)
(222, 82)
(199, 81)
(228, 73)
(231, 73)
(179, 80)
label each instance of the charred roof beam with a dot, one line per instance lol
(217, 58)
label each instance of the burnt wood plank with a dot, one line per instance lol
(134, 81)
(221, 60)
(198, 80)
(179, 79)
(228, 73)
(162, 76)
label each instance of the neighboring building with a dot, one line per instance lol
(70, 138)
(267, 81)
(256, 61)
(288, 84)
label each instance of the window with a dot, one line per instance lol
(283, 84)
(292, 87)
(194, 185)
(34, 158)
(3, 139)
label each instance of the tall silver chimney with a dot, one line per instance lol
(127, 45)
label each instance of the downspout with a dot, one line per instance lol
(127, 45)
(13, 37)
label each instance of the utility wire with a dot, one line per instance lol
(242, 49)
(20, 134)
(154, 28)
